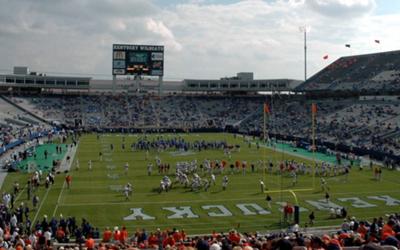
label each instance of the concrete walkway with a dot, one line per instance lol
(66, 164)
(3, 175)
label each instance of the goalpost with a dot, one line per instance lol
(291, 191)
(32, 167)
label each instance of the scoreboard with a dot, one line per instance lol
(138, 60)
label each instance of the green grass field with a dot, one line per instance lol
(92, 196)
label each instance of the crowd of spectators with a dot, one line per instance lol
(67, 233)
(142, 111)
(366, 125)
(370, 125)
(17, 134)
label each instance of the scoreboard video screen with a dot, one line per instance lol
(138, 60)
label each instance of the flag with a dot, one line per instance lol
(348, 45)
(266, 109)
(314, 108)
(377, 41)
(325, 57)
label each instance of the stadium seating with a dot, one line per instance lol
(17, 128)
(361, 73)
(364, 124)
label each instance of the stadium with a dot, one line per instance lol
(137, 161)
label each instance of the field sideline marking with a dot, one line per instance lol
(40, 207)
(288, 190)
(20, 193)
(59, 198)
(317, 191)
(64, 182)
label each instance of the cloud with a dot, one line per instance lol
(165, 33)
(202, 39)
(342, 8)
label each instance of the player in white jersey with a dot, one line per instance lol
(324, 185)
(262, 186)
(213, 179)
(126, 168)
(294, 178)
(149, 169)
(90, 165)
(158, 161)
(128, 191)
(225, 181)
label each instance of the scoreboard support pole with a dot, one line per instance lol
(160, 80)
(114, 83)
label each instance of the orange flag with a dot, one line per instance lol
(266, 109)
(314, 108)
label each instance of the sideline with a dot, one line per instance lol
(67, 165)
(40, 207)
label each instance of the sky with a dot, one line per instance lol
(203, 39)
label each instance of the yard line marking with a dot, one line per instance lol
(20, 192)
(40, 207)
(59, 199)
(315, 193)
(64, 182)
(289, 190)
(205, 201)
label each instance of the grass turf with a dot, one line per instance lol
(92, 197)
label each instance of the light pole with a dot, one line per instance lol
(305, 29)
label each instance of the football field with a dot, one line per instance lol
(97, 195)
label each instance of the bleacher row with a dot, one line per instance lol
(361, 73)
(16, 129)
(370, 125)
(357, 124)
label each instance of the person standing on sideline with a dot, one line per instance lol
(311, 218)
(269, 200)
(327, 196)
(68, 180)
(29, 190)
(35, 201)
